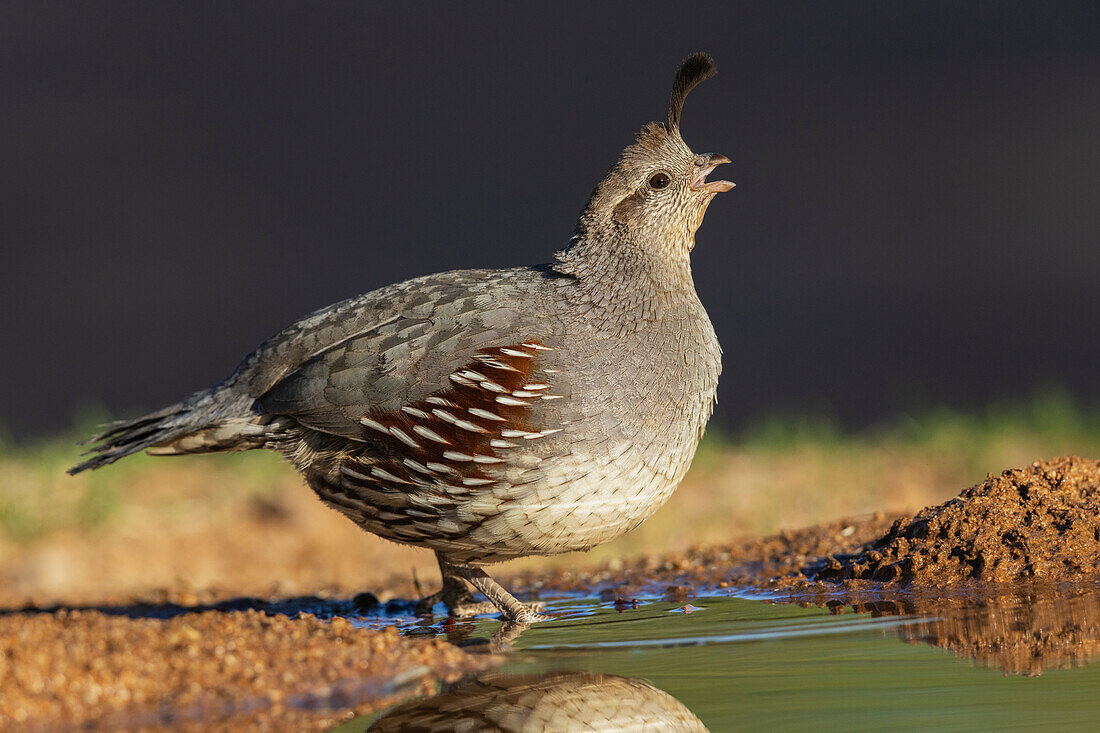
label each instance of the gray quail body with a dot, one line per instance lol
(494, 414)
(555, 701)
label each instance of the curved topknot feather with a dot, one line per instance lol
(696, 68)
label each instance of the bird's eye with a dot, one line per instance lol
(659, 180)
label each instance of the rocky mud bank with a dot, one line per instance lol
(1040, 522)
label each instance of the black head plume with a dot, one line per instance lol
(696, 68)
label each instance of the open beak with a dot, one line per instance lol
(704, 164)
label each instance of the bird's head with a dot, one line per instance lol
(657, 191)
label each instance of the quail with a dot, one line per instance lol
(493, 414)
(500, 702)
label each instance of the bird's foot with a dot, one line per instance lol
(510, 608)
(461, 604)
(529, 614)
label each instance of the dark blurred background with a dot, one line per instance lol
(915, 221)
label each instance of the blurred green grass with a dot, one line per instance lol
(37, 497)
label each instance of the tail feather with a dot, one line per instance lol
(196, 425)
(234, 434)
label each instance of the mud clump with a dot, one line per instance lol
(82, 670)
(1039, 522)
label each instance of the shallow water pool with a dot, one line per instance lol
(728, 662)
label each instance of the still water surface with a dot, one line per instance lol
(735, 663)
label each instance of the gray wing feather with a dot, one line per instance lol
(384, 350)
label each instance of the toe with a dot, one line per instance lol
(466, 610)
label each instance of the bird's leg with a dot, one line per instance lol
(454, 592)
(505, 602)
(460, 602)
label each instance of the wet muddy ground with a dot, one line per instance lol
(131, 668)
(1004, 574)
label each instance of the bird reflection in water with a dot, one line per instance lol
(555, 701)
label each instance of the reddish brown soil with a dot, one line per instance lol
(1041, 522)
(70, 669)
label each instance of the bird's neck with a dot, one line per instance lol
(616, 272)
